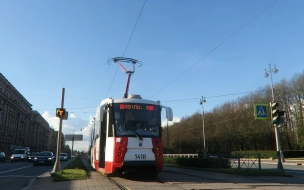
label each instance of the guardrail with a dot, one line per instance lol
(237, 160)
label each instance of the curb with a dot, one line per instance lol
(29, 184)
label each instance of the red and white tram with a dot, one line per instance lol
(119, 146)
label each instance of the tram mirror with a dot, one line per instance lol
(100, 112)
(169, 113)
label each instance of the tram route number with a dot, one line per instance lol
(140, 156)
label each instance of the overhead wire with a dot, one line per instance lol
(223, 95)
(165, 101)
(212, 50)
(126, 46)
(216, 47)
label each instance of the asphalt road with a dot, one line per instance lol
(290, 167)
(18, 175)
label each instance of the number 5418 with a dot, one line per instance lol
(140, 156)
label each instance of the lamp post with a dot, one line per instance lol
(279, 152)
(202, 101)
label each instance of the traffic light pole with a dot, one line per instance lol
(57, 166)
(279, 151)
(273, 109)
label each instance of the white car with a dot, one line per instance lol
(63, 156)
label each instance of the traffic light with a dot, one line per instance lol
(60, 112)
(275, 112)
(281, 115)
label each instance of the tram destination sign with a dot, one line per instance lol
(76, 137)
(136, 107)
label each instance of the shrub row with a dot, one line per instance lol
(265, 154)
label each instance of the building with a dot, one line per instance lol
(19, 124)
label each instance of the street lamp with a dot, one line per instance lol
(202, 101)
(279, 151)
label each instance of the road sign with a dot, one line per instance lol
(73, 137)
(261, 111)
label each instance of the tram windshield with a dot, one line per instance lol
(137, 120)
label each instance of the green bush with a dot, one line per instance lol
(264, 154)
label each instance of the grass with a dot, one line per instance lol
(74, 171)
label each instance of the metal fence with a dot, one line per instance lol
(248, 161)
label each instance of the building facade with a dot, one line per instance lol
(20, 125)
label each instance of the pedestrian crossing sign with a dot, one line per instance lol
(261, 111)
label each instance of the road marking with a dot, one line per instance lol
(16, 176)
(15, 169)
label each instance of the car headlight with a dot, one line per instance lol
(49, 158)
(35, 158)
(12, 157)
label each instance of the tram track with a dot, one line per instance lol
(121, 186)
(177, 179)
(140, 181)
(165, 180)
(171, 180)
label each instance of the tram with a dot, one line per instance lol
(120, 144)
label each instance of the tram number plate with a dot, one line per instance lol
(140, 156)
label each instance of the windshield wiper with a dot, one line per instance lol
(137, 135)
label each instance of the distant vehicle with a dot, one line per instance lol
(69, 155)
(2, 156)
(20, 154)
(44, 158)
(33, 154)
(63, 156)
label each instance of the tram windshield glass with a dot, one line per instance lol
(133, 119)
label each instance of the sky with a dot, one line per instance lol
(188, 49)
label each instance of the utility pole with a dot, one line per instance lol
(202, 101)
(273, 106)
(57, 166)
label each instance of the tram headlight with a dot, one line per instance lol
(119, 153)
(120, 148)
